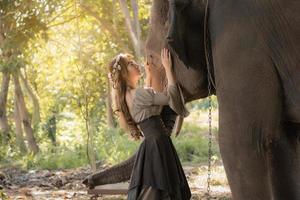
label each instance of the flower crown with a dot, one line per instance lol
(116, 67)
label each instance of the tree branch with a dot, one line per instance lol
(130, 27)
(105, 25)
(60, 14)
(136, 23)
(63, 22)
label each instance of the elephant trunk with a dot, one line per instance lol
(115, 174)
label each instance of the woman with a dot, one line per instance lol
(157, 172)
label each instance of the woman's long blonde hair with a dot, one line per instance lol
(117, 74)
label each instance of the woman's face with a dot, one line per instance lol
(134, 73)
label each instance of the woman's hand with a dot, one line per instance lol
(167, 63)
(166, 59)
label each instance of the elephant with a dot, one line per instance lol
(247, 54)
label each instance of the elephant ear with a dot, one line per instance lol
(185, 34)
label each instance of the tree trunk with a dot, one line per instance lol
(36, 106)
(4, 88)
(130, 26)
(110, 119)
(137, 26)
(3, 100)
(19, 132)
(24, 114)
(90, 128)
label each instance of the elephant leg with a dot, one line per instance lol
(250, 112)
(259, 149)
(246, 130)
(286, 164)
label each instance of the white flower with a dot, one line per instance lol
(109, 76)
(118, 59)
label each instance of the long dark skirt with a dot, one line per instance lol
(157, 172)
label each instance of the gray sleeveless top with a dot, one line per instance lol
(147, 102)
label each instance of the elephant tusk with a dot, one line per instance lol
(178, 125)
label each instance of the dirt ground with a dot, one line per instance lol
(18, 184)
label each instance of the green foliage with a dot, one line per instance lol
(50, 157)
(3, 196)
(194, 148)
(192, 143)
(114, 145)
(56, 158)
(203, 104)
(20, 22)
(3, 152)
(191, 129)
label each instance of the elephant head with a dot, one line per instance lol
(178, 25)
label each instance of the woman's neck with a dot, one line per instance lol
(133, 84)
(130, 87)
